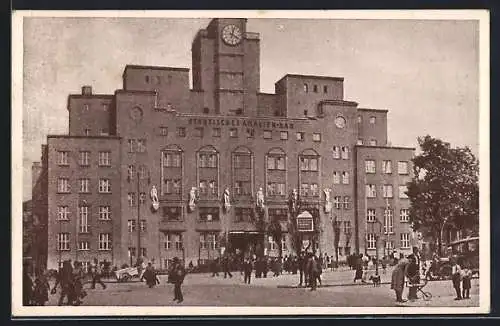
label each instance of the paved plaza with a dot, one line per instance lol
(338, 290)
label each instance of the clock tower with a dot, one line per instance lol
(226, 67)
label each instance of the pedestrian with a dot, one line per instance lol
(178, 275)
(247, 269)
(150, 276)
(97, 274)
(27, 287)
(358, 265)
(456, 277)
(64, 279)
(225, 266)
(78, 277)
(313, 271)
(41, 290)
(302, 265)
(413, 275)
(466, 277)
(398, 279)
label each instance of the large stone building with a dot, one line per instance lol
(195, 170)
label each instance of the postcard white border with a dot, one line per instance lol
(17, 160)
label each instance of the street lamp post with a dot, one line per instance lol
(376, 244)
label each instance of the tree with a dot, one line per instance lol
(444, 190)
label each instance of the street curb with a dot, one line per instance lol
(330, 285)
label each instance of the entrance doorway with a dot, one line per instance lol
(245, 243)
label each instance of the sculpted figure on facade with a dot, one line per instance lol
(260, 199)
(293, 202)
(154, 198)
(328, 203)
(192, 199)
(226, 200)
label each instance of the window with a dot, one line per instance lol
(104, 241)
(131, 145)
(209, 214)
(142, 198)
(242, 161)
(104, 186)
(181, 132)
(279, 214)
(203, 187)
(63, 241)
(163, 131)
(336, 177)
(370, 215)
(308, 164)
(300, 136)
(387, 191)
(209, 240)
(388, 221)
(404, 215)
(405, 240)
(141, 145)
(336, 152)
(347, 227)
(244, 214)
(172, 186)
(250, 132)
(233, 132)
(371, 191)
(131, 251)
(283, 135)
(84, 185)
(87, 132)
(373, 142)
(198, 132)
(306, 88)
(62, 158)
(83, 219)
(271, 244)
(371, 240)
(172, 213)
(63, 185)
(63, 213)
(143, 172)
(104, 132)
(147, 79)
(105, 107)
(216, 132)
(213, 190)
(144, 252)
(387, 167)
(143, 225)
(316, 136)
(345, 152)
(84, 158)
(172, 159)
(242, 188)
(131, 224)
(345, 178)
(359, 141)
(315, 88)
(173, 241)
(267, 134)
(402, 192)
(402, 167)
(370, 166)
(85, 107)
(325, 89)
(360, 119)
(276, 189)
(130, 172)
(131, 199)
(337, 202)
(372, 120)
(206, 160)
(105, 213)
(83, 245)
(276, 162)
(347, 202)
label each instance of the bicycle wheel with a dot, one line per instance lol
(427, 295)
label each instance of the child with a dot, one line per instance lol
(466, 276)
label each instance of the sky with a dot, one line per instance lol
(425, 72)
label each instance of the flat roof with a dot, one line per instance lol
(386, 147)
(373, 110)
(311, 77)
(155, 67)
(84, 137)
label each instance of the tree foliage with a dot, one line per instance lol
(444, 189)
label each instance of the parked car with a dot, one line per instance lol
(127, 274)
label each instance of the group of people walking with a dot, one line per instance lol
(70, 279)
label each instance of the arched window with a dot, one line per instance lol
(306, 88)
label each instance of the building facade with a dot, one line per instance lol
(196, 172)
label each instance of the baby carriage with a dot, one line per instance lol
(419, 286)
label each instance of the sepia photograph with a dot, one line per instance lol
(250, 162)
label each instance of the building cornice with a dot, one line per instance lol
(83, 137)
(385, 147)
(373, 110)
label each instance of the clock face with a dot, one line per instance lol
(136, 113)
(340, 122)
(231, 35)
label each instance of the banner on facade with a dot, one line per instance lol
(305, 222)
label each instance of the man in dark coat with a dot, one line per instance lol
(27, 287)
(177, 276)
(247, 270)
(413, 275)
(96, 274)
(65, 280)
(357, 262)
(398, 279)
(225, 266)
(302, 264)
